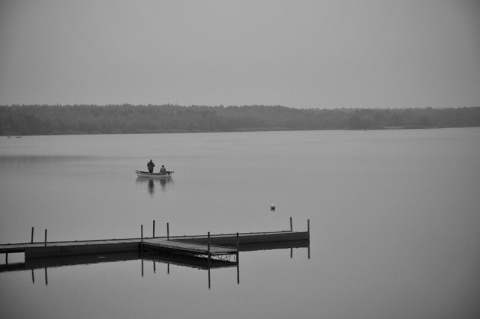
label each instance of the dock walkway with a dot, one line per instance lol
(159, 244)
(22, 247)
(221, 244)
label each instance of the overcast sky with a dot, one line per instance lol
(303, 54)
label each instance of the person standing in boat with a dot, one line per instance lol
(150, 166)
(163, 170)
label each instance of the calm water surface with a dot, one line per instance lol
(394, 217)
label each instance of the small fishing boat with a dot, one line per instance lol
(168, 174)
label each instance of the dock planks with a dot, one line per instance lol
(186, 247)
(220, 244)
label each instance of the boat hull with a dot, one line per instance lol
(167, 175)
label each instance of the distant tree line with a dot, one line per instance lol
(126, 118)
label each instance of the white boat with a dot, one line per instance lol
(168, 174)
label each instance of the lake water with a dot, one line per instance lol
(394, 218)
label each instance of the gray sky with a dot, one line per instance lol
(304, 54)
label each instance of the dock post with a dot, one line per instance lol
(291, 224)
(209, 248)
(153, 228)
(46, 277)
(308, 229)
(141, 248)
(238, 241)
(208, 255)
(33, 228)
(168, 232)
(6, 258)
(33, 276)
(238, 263)
(209, 280)
(45, 238)
(141, 244)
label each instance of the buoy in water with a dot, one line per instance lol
(272, 207)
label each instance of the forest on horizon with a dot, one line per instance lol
(129, 119)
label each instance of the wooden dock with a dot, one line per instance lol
(198, 245)
(199, 251)
(186, 248)
(108, 246)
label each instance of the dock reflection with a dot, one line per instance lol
(170, 259)
(152, 183)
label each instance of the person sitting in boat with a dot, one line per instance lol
(163, 170)
(150, 166)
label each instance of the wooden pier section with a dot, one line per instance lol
(187, 248)
(219, 244)
(204, 252)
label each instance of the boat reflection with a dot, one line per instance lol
(150, 182)
(170, 259)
